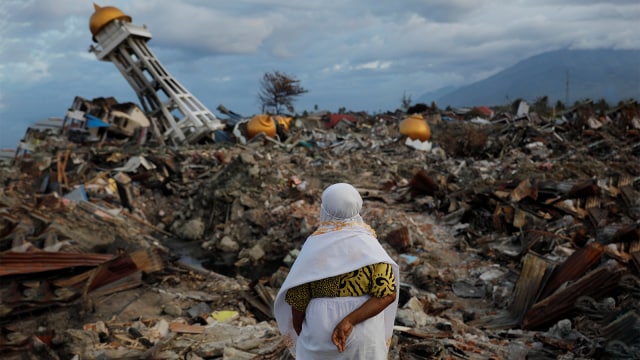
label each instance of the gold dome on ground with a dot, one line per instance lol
(415, 127)
(104, 15)
(261, 123)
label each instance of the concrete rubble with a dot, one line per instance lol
(518, 237)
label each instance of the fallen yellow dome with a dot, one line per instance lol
(261, 123)
(415, 127)
(283, 121)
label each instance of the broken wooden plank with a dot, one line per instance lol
(557, 305)
(125, 283)
(110, 272)
(15, 263)
(529, 283)
(573, 267)
(527, 288)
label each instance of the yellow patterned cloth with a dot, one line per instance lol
(375, 280)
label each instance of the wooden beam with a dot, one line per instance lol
(559, 304)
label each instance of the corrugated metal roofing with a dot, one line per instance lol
(15, 263)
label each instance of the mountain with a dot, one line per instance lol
(430, 96)
(612, 75)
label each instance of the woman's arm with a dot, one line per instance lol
(298, 297)
(370, 308)
(298, 318)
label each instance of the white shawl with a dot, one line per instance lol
(337, 247)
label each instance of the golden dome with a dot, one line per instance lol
(415, 127)
(283, 121)
(261, 123)
(104, 15)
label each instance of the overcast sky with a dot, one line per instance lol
(361, 55)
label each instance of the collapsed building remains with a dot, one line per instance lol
(518, 237)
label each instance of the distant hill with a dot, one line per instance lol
(428, 97)
(612, 75)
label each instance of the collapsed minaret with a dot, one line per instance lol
(176, 115)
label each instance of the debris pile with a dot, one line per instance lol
(517, 236)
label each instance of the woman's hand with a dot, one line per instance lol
(341, 334)
(372, 307)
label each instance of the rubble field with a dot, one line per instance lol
(517, 238)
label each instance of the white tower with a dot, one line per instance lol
(176, 114)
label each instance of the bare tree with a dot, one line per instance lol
(406, 101)
(278, 91)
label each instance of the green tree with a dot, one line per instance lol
(278, 91)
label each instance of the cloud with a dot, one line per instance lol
(28, 48)
(344, 51)
(203, 28)
(371, 65)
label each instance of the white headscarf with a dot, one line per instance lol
(342, 243)
(340, 202)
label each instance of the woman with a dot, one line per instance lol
(340, 297)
